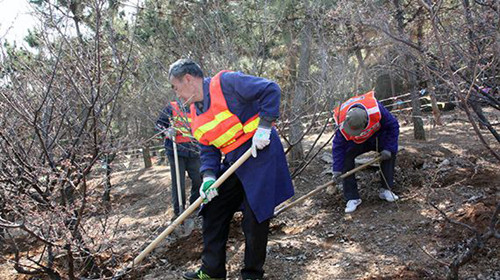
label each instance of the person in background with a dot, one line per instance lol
(364, 125)
(174, 123)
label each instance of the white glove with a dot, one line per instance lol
(261, 139)
(207, 192)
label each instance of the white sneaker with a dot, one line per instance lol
(387, 195)
(352, 205)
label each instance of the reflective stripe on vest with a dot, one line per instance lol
(181, 123)
(369, 103)
(218, 126)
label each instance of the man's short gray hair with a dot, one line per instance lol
(184, 66)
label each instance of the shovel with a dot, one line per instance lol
(190, 209)
(320, 188)
(185, 228)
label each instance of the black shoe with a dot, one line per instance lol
(199, 274)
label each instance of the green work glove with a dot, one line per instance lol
(207, 192)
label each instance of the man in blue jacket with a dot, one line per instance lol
(188, 154)
(364, 125)
(225, 112)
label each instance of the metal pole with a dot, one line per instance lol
(177, 176)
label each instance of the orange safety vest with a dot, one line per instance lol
(218, 126)
(181, 123)
(369, 103)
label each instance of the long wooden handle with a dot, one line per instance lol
(191, 208)
(318, 189)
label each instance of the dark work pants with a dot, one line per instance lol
(192, 166)
(217, 215)
(350, 184)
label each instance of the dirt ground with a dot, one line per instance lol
(407, 239)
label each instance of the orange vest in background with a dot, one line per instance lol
(218, 126)
(369, 103)
(181, 123)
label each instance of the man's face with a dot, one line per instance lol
(184, 87)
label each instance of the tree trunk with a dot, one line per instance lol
(393, 87)
(70, 262)
(2, 215)
(435, 109)
(325, 83)
(290, 71)
(297, 152)
(436, 113)
(418, 123)
(147, 157)
(108, 158)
